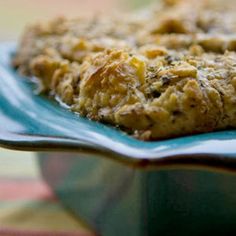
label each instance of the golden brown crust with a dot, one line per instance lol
(170, 73)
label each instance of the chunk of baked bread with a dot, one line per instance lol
(167, 71)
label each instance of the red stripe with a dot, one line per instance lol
(14, 232)
(25, 190)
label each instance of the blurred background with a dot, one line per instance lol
(15, 14)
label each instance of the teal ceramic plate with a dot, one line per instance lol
(31, 122)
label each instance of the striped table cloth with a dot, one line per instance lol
(28, 207)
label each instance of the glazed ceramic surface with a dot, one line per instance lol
(34, 122)
(115, 199)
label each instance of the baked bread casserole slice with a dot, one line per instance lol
(166, 71)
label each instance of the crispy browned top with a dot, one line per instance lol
(162, 72)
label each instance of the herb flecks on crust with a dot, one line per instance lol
(166, 71)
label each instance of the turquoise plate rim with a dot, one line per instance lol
(30, 122)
